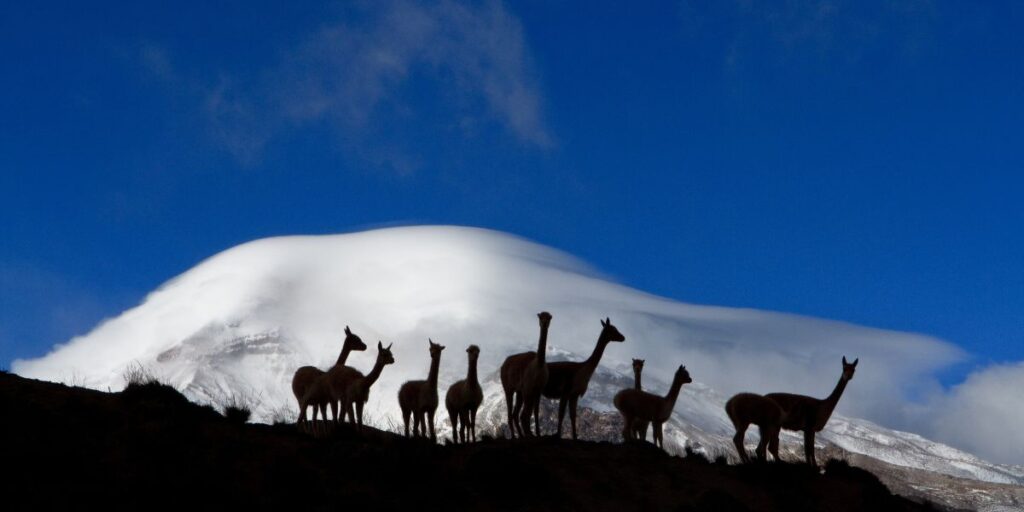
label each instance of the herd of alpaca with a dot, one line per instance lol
(527, 376)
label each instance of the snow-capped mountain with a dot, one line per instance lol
(241, 322)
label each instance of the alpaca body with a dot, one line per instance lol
(745, 409)
(463, 399)
(635, 405)
(640, 426)
(809, 415)
(357, 391)
(418, 398)
(567, 381)
(307, 376)
(523, 377)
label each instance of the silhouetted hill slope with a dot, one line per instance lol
(148, 447)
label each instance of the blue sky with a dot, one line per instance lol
(841, 159)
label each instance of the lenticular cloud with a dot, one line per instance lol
(248, 317)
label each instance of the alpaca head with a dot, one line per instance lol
(683, 376)
(545, 318)
(435, 349)
(384, 353)
(848, 368)
(638, 365)
(353, 342)
(609, 332)
(474, 352)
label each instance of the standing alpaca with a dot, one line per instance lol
(463, 399)
(306, 376)
(523, 377)
(811, 414)
(746, 408)
(641, 426)
(643, 406)
(358, 390)
(419, 397)
(567, 381)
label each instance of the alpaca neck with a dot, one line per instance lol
(829, 404)
(671, 397)
(542, 345)
(595, 357)
(343, 356)
(471, 374)
(374, 374)
(435, 364)
(636, 380)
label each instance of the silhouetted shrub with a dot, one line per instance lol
(136, 374)
(155, 391)
(239, 415)
(281, 415)
(238, 407)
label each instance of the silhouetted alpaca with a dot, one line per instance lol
(305, 377)
(463, 399)
(749, 408)
(643, 406)
(358, 390)
(567, 381)
(641, 426)
(803, 413)
(523, 377)
(419, 397)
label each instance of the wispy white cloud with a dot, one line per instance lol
(982, 415)
(396, 64)
(831, 33)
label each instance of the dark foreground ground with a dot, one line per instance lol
(149, 448)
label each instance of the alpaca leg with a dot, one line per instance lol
(809, 446)
(405, 420)
(773, 443)
(657, 435)
(627, 429)
(417, 421)
(741, 430)
(323, 414)
(472, 424)
(762, 445)
(536, 415)
(512, 418)
(359, 413)
(562, 403)
(453, 418)
(430, 420)
(464, 418)
(641, 432)
(524, 419)
(572, 416)
(334, 411)
(315, 427)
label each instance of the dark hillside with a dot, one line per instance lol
(149, 447)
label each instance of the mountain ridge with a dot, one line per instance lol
(243, 320)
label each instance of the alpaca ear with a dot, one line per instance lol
(380, 346)
(348, 332)
(844, 360)
(607, 320)
(855, 362)
(389, 345)
(603, 324)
